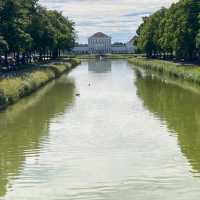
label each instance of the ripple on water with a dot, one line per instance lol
(111, 143)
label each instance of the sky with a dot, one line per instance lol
(116, 18)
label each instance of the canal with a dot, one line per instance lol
(129, 135)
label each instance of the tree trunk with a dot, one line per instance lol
(55, 53)
(17, 58)
(6, 59)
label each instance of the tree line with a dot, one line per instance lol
(172, 33)
(28, 30)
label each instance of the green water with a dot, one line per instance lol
(129, 135)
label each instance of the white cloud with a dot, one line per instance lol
(118, 18)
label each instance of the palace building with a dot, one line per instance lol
(99, 43)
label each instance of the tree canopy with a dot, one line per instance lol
(173, 32)
(27, 28)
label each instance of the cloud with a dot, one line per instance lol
(118, 18)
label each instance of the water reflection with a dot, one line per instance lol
(99, 147)
(24, 127)
(179, 108)
(99, 66)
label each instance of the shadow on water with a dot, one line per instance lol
(24, 126)
(99, 66)
(178, 107)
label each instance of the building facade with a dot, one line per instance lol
(119, 48)
(99, 43)
(81, 49)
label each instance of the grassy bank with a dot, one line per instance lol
(14, 88)
(182, 71)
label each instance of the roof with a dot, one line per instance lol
(100, 35)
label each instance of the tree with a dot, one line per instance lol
(27, 28)
(41, 31)
(198, 38)
(172, 31)
(3, 47)
(65, 33)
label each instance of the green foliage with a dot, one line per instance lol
(198, 37)
(27, 28)
(173, 31)
(3, 45)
